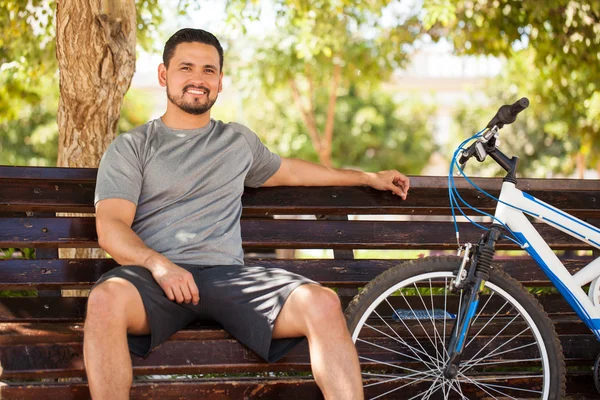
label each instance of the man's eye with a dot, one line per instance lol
(185, 68)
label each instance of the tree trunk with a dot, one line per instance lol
(95, 48)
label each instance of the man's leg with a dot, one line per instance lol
(315, 312)
(114, 309)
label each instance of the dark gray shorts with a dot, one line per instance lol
(244, 300)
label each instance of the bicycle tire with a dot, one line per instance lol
(374, 334)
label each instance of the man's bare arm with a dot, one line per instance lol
(295, 172)
(113, 224)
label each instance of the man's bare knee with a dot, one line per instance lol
(117, 301)
(318, 305)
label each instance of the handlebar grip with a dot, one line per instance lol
(519, 106)
(508, 114)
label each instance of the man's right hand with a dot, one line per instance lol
(177, 282)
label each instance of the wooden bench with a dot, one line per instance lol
(41, 335)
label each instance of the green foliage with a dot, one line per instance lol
(562, 39)
(26, 253)
(29, 79)
(372, 132)
(318, 50)
(539, 137)
(135, 110)
(313, 36)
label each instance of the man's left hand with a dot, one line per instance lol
(391, 180)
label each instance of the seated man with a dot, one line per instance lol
(168, 206)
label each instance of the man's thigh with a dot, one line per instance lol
(162, 317)
(247, 301)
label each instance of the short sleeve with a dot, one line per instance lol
(120, 172)
(264, 162)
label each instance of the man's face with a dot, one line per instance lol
(193, 79)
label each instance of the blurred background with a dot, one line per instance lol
(362, 84)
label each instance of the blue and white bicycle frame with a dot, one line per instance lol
(510, 212)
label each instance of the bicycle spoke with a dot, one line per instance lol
(483, 308)
(418, 320)
(447, 357)
(459, 391)
(426, 373)
(409, 330)
(493, 387)
(495, 336)
(436, 334)
(486, 324)
(516, 361)
(400, 340)
(430, 387)
(495, 352)
(409, 377)
(482, 388)
(433, 388)
(398, 388)
(495, 377)
(395, 351)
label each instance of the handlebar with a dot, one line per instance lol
(508, 114)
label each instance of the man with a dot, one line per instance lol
(167, 209)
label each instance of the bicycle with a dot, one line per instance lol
(439, 325)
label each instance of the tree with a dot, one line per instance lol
(96, 57)
(96, 62)
(320, 48)
(371, 131)
(563, 38)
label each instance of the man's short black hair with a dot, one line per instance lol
(190, 35)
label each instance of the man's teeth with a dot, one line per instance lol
(195, 91)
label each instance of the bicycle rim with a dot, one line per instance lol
(408, 326)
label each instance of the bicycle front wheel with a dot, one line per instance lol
(402, 321)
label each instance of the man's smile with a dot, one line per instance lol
(195, 91)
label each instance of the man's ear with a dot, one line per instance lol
(162, 75)
(221, 82)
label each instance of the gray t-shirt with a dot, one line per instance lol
(187, 185)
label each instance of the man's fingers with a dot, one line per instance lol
(397, 190)
(402, 181)
(194, 291)
(185, 291)
(169, 292)
(178, 295)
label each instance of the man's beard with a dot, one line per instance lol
(194, 106)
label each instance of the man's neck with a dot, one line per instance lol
(175, 118)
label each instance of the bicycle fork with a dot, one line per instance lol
(473, 285)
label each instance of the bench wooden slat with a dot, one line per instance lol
(224, 356)
(48, 191)
(72, 309)
(83, 273)
(172, 357)
(210, 389)
(81, 232)
(44, 196)
(22, 173)
(25, 333)
(579, 384)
